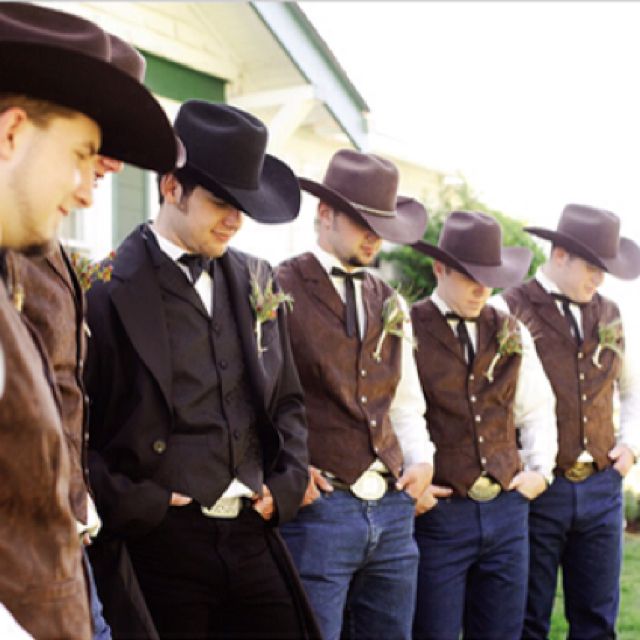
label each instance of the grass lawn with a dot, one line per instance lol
(629, 619)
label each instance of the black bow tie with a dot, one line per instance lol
(463, 335)
(351, 314)
(196, 264)
(568, 314)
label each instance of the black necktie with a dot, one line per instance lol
(195, 263)
(568, 314)
(351, 314)
(463, 335)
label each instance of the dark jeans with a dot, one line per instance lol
(359, 557)
(213, 578)
(101, 630)
(577, 526)
(472, 575)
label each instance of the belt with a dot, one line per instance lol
(580, 471)
(226, 508)
(371, 485)
(484, 489)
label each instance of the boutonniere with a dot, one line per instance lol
(265, 303)
(609, 336)
(88, 272)
(394, 321)
(509, 343)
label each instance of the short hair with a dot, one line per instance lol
(40, 112)
(186, 180)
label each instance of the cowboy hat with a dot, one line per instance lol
(365, 187)
(226, 155)
(471, 242)
(58, 57)
(594, 235)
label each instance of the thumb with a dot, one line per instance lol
(615, 452)
(515, 482)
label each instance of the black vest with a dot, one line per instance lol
(214, 436)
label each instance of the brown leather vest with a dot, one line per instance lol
(584, 392)
(54, 305)
(470, 419)
(41, 576)
(347, 393)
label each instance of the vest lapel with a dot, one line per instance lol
(547, 310)
(320, 286)
(437, 325)
(487, 329)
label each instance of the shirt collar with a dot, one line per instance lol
(441, 305)
(545, 282)
(329, 261)
(166, 246)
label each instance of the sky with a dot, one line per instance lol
(537, 104)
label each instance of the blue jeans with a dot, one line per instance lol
(578, 526)
(357, 557)
(473, 569)
(101, 630)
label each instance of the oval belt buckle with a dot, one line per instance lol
(369, 486)
(484, 489)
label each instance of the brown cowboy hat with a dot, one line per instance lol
(471, 242)
(365, 186)
(594, 235)
(226, 155)
(58, 57)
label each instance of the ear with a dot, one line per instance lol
(171, 189)
(438, 268)
(325, 214)
(14, 123)
(559, 255)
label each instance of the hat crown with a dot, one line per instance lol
(363, 179)
(30, 24)
(596, 229)
(127, 59)
(472, 237)
(223, 142)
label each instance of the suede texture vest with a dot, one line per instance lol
(584, 392)
(41, 574)
(470, 419)
(347, 393)
(54, 305)
(214, 436)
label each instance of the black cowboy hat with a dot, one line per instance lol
(365, 187)
(58, 57)
(226, 155)
(471, 242)
(594, 235)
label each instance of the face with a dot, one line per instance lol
(576, 277)
(204, 224)
(464, 296)
(353, 244)
(45, 172)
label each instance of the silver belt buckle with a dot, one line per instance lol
(369, 486)
(224, 508)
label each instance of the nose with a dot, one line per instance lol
(479, 290)
(233, 218)
(84, 188)
(597, 278)
(106, 165)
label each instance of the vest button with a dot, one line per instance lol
(373, 423)
(217, 327)
(584, 418)
(473, 398)
(363, 399)
(480, 439)
(223, 364)
(471, 376)
(159, 446)
(478, 418)
(581, 376)
(584, 397)
(483, 460)
(236, 434)
(363, 373)
(586, 441)
(580, 355)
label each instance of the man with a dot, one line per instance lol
(197, 429)
(50, 133)
(483, 384)
(577, 524)
(369, 450)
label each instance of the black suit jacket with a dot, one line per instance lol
(128, 378)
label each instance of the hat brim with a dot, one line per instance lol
(625, 265)
(406, 227)
(275, 201)
(513, 268)
(134, 127)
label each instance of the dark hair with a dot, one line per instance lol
(40, 112)
(187, 182)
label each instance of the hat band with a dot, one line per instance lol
(376, 212)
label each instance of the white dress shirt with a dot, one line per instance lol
(534, 402)
(204, 288)
(628, 381)
(9, 628)
(407, 409)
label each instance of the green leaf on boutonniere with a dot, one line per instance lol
(394, 322)
(509, 343)
(88, 272)
(265, 302)
(609, 337)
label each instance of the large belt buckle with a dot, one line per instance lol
(369, 486)
(484, 489)
(579, 471)
(224, 508)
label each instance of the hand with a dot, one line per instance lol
(265, 504)
(85, 539)
(317, 483)
(622, 458)
(429, 497)
(179, 500)
(529, 483)
(415, 479)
